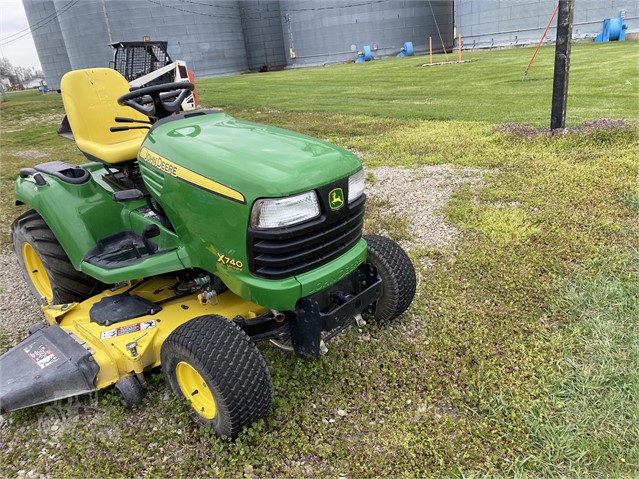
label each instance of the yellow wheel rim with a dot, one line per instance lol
(195, 390)
(37, 273)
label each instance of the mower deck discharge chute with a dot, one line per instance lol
(50, 364)
(187, 239)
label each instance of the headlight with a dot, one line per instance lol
(355, 186)
(278, 212)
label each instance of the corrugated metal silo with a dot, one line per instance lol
(262, 25)
(48, 40)
(85, 31)
(208, 36)
(515, 22)
(318, 33)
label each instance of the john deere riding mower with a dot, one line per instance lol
(187, 239)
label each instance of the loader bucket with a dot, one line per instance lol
(48, 365)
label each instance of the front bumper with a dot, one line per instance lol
(282, 294)
(333, 309)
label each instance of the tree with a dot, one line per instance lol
(18, 75)
(25, 73)
(6, 68)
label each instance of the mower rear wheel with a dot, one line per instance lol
(213, 364)
(45, 265)
(398, 277)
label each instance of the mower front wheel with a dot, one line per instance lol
(45, 265)
(213, 364)
(129, 391)
(398, 277)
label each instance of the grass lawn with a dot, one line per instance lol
(603, 84)
(519, 355)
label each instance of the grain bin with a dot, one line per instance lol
(47, 36)
(329, 32)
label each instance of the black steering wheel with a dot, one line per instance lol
(157, 101)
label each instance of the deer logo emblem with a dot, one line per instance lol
(336, 199)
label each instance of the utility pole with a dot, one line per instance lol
(562, 64)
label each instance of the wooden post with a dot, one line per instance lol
(562, 64)
(459, 45)
(430, 48)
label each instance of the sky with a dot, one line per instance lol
(13, 20)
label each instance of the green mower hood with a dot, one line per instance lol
(253, 159)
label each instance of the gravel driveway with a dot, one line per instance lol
(18, 308)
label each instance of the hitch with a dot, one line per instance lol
(333, 310)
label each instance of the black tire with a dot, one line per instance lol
(65, 284)
(229, 367)
(130, 391)
(398, 277)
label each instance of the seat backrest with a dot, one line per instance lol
(90, 101)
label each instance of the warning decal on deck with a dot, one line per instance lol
(129, 328)
(42, 354)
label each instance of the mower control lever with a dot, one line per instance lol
(122, 119)
(128, 195)
(32, 173)
(27, 172)
(127, 128)
(150, 231)
(132, 347)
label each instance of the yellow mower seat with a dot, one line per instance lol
(90, 101)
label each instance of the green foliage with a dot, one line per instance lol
(500, 225)
(631, 200)
(5, 341)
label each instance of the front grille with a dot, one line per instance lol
(286, 252)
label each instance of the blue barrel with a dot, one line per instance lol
(368, 56)
(408, 48)
(616, 28)
(613, 30)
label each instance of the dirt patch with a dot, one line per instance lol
(417, 196)
(31, 154)
(41, 118)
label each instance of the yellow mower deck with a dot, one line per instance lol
(130, 347)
